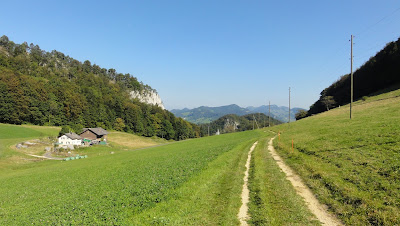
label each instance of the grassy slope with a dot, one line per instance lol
(12, 159)
(353, 166)
(130, 141)
(192, 182)
(125, 187)
(122, 142)
(10, 135)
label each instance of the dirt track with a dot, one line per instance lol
(46, 155)
(242, 215)
(319, 210)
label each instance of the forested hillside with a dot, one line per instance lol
(234, 123)
(50, 88)
(381, 71)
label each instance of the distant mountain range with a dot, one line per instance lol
(233, 123)
(205, 114)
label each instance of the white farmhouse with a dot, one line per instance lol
(70, 139)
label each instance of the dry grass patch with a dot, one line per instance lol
(131, 141)
(35, 127)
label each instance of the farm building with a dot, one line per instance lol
(98, 134)
(70, 139)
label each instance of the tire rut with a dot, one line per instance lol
(319, 210)
(243, 211)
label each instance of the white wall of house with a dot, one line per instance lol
(64, 140)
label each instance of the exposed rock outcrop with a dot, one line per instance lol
(230, 125)
(148, 96)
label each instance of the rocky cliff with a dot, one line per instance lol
(148, 96)
(230, 125)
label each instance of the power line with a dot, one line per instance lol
(373, 25)
(269, 114)
(360, 54)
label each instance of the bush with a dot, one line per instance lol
(301, 114)
(64, 129)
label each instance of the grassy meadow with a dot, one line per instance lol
(132, 187)
(353, 166)
(10, 135)
(128, 141)
(193, 182)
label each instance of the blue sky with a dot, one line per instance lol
(212, 53)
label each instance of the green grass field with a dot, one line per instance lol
(124, 187)
(353, 166)
(13, 159)
(193, 182)
(10, 135)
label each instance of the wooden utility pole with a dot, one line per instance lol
(265, 121)
(289, 105)
(208, 129)
(269, 114)
(253, 121)
(351, 75)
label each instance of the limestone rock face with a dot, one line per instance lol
(148, 97)
(230, 125)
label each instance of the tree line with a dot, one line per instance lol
(380, 72)
(50, 88)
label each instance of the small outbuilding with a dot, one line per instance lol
(92, 134)
(70, 139)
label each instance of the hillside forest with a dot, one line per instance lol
(379, 72)
(50, 88)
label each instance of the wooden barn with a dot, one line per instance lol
(98, 134)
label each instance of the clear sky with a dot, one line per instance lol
(212, 52)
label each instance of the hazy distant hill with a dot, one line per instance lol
(279, 112)
(205, 114)
(234, 123)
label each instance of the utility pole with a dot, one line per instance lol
(289, 105)
(253, 121)
(351, 75)
(208, 129)
(265, 123)
(269, 114)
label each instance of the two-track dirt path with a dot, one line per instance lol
(46, 155)
(319, 210)
(243, 215)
